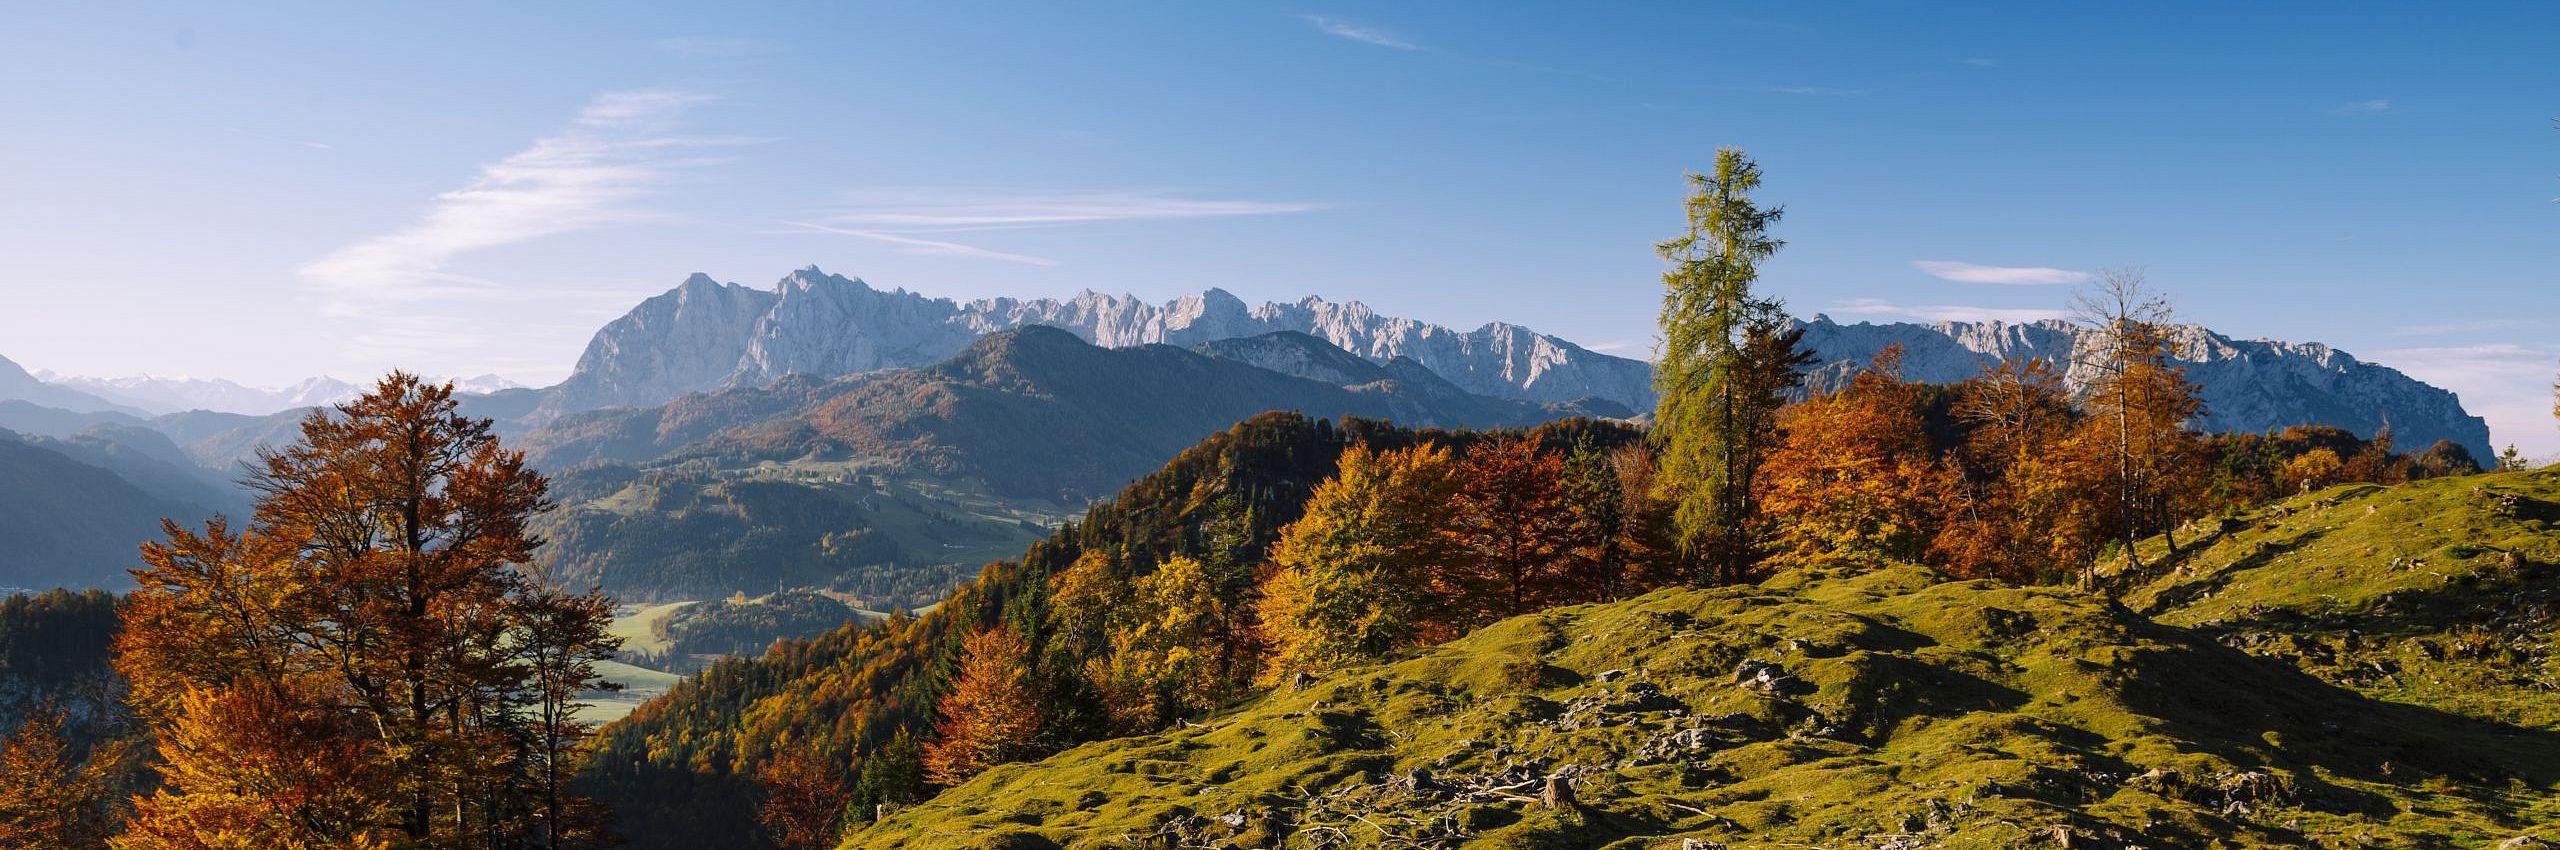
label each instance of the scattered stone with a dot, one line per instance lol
(1764, 676)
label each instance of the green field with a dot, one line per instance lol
(639, 685)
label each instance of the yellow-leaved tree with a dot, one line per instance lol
(1360, 574)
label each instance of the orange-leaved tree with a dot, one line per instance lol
(373, 656)
(1514, 530)
(1854, 477)
(992, 713)
(803, 799)
(2001, 522)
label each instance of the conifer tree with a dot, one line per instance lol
(893, 776)
(1727, 359)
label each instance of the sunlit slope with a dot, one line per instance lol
(2439, 593)
(1886, 709)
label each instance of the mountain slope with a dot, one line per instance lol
(1882, 709)
(2248, 385)
(30, 418)
(69, 524)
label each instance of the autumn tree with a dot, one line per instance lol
(371, 661)
(991, 715)
(1727, 359)
(2312, 470)
(1644, 540)
(1513, 529)
(2143, 401)
(50, 796)
(1357, 575)
(1855, 476)
(803, 801)
(2008, 519)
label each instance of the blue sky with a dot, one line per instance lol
(265, 192)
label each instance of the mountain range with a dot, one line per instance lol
(705, 334)
(979, 419)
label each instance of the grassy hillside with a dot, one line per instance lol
(2442, 593)
(1884, 709)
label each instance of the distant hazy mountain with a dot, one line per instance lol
(704, 335)
(17, 385)
(72, 523)
(175, 395)
(2248, 385)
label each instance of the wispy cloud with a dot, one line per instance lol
(1818, 91)
(918, 245)
(2002, 275)
(709, 47)
(1942, 312)
(1363, 34)
(1978, 62)
(912, 208)
(618, 150)
(2375, 106)
(911, 218)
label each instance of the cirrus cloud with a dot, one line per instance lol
(619, 149)
(2001, 275)
(1943, 312)
(917, 221)
(1366, 35)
